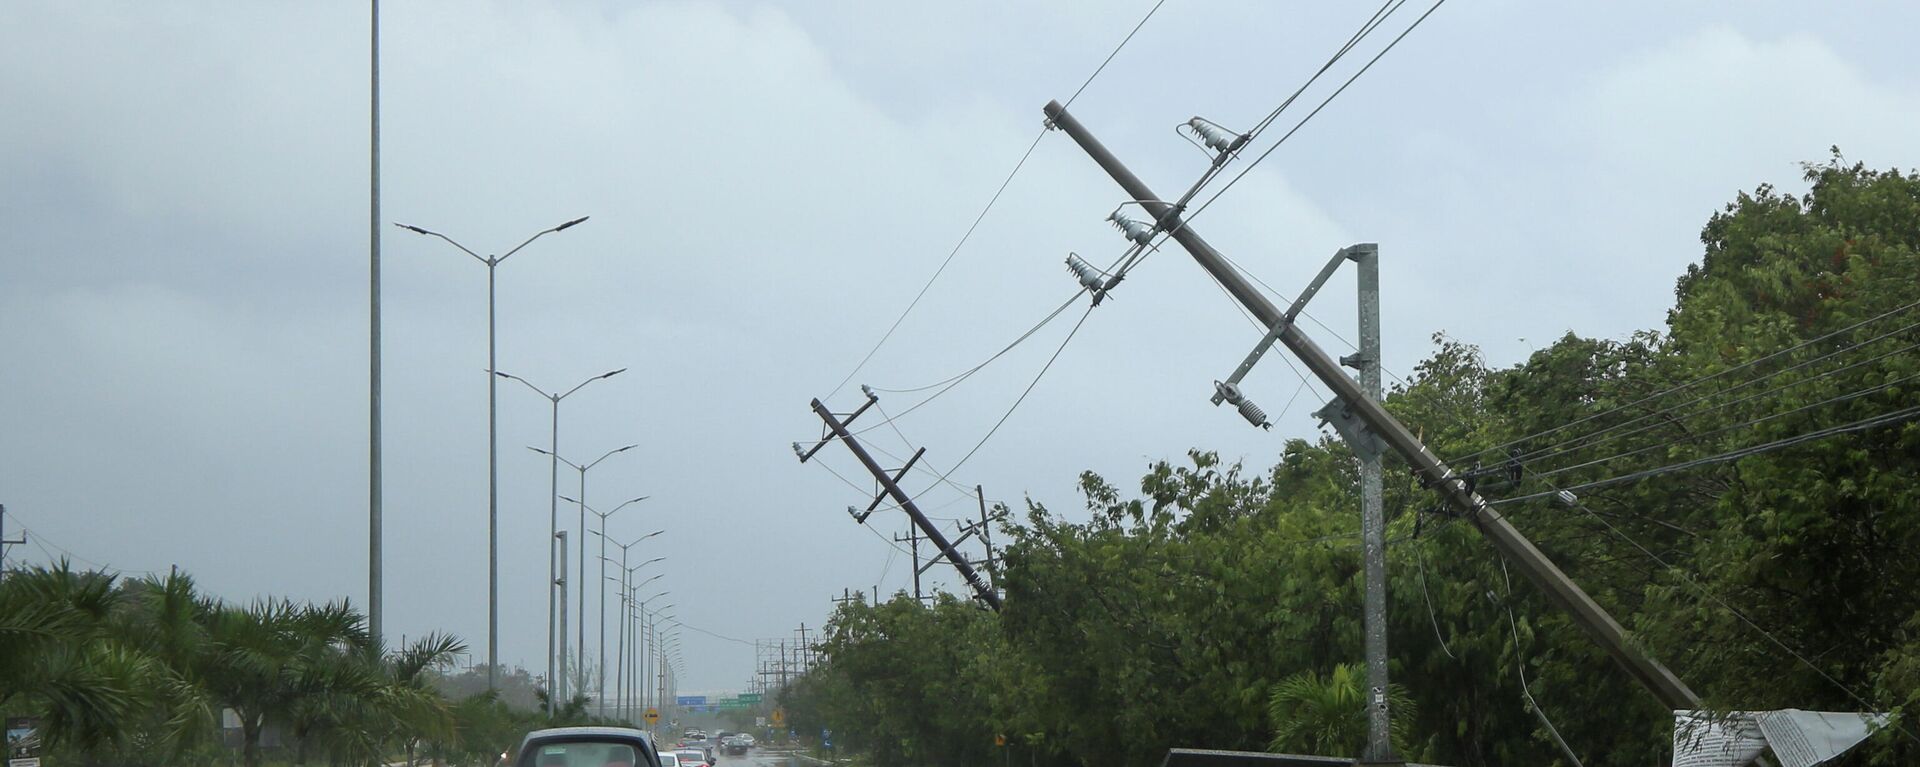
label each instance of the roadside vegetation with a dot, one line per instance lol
(138, 672)
(1216, 605)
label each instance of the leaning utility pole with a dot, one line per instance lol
(837, 428)
(1358, 416)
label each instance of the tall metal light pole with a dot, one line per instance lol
(493, 440)
(602, 642)
(556, 643)
(376, 604)
(580, 599)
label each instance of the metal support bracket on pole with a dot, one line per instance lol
(1353, 431)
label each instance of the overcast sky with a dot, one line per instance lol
(183, 256)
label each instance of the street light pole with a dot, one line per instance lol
(581, 598)
(556, 644)
(493, 441)
(626, 574)
(601, 690)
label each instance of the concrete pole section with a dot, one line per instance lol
(1373, 521)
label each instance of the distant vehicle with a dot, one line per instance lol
(693, 757)
(698, 740)
(734, 746)
(588, 747)
(669, 760)
(748, 739)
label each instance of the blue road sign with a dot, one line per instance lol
(691, 700)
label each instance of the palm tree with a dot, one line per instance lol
(1311, 715)
(419, 712)
(56, 654)
(277, 662)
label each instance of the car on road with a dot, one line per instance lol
(587, 747)
(702, 744)
(669, 760)
(692, 757)
(734, 746)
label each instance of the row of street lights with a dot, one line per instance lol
(557, 580)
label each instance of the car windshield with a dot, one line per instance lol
(691, 757)
(669, 760)
(581, 753)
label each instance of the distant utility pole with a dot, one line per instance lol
(4, 542)
(1359, 417)
(986, 538)
(913, 541)
(890, 482)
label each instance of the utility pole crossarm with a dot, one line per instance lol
(1560, 589)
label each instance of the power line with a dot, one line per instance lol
(1717, 432)
(930, 467)
(948, 384)
(1691, 579)
(1733, 455)
(1520, 665)
(1586, 441)
(968, 234)
(1696, 381)
(1310, 115)
(1023, 395)
(1219, 164)
(715, 635)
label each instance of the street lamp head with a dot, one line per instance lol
(411, 228)
(544, 451)
(649, 535)
(613, 373)
(570, 224)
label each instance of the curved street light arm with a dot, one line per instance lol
(610, 454)
(562, 459)
(590, 380)
(536, 389)
(450, 240)
(537, 235)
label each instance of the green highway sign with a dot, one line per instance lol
(749, 697)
